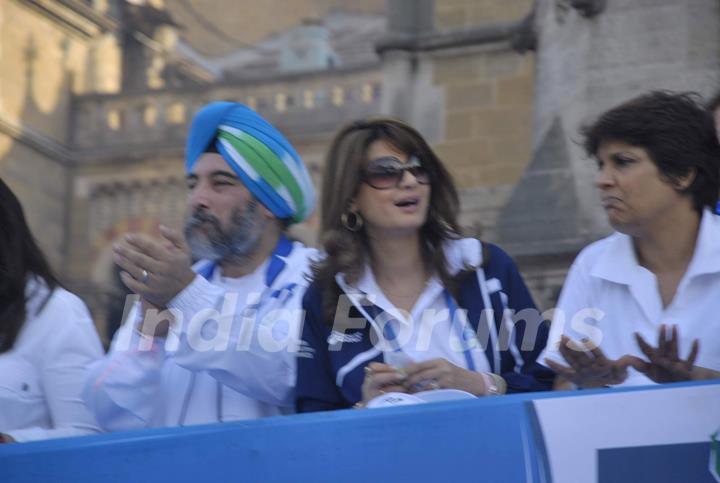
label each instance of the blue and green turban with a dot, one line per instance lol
(261, 157)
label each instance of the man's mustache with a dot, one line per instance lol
(200, 217)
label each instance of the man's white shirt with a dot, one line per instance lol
(228, 356)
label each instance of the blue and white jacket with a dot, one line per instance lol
(202, 374)
(331, 377)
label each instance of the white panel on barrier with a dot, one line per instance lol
(575, 428)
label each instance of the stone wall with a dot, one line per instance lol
(218, 27)
(463, 14)
(487, 125)
(48, 53)
(473, 102)
(587, 62)
(41, 185)
(45, 62)
(504, 122)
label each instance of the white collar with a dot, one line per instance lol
(618, 262)
(366, 290)
(706, 258)
(459, 253)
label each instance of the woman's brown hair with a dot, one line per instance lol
(346, 250)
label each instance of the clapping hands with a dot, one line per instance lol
(588, 367)
(157, 269)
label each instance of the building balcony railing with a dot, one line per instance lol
(305, 106)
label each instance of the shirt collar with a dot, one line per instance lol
(706, 258)
(460, 254)
(367, 290)
(618, 262)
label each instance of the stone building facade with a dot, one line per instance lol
(96, 96)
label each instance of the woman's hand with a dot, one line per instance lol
(665, 363)
(440, 373)
(587, 365)
(381, 378)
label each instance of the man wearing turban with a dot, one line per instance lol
(215, 341)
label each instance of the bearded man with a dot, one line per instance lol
(214, 341)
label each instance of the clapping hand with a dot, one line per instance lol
(587, 365)
(664, 362)
(156, 269)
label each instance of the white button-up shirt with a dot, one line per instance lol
(42, 376)
(608, 296)
(427, 331)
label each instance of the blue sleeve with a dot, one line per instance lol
(530, 330)
(315, 389)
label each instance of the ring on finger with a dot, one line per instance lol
(144, 276)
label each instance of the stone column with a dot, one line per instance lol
(591, 56)
(408, 91)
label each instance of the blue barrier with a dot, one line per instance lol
(491, 439)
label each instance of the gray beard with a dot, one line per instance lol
(207, 240)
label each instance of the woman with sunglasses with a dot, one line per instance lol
(402, 303)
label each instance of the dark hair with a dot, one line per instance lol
(678, 133)
(347, 250)
(714, 102)
(20, 259)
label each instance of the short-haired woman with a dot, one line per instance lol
(658, 276)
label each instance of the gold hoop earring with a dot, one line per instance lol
(352, 221)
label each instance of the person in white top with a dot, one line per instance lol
(47, 339)
(658, 276)
(223, 347)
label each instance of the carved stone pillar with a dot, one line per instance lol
(590, 57)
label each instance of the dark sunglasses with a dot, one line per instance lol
(387, 172)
